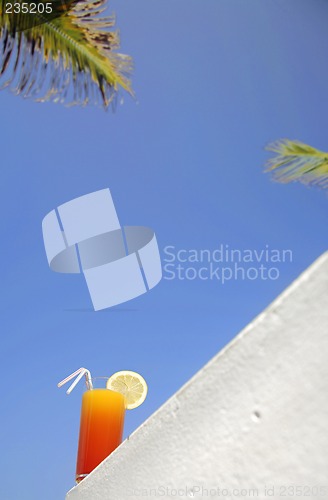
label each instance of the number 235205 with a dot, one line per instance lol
(28, 8)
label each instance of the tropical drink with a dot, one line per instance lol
(101, 428)
(102, 414)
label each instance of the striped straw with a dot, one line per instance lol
(80, 372)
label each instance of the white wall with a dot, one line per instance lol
(254, 417)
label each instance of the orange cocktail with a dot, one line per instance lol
(101, 428)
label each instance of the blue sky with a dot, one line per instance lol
(215, 82)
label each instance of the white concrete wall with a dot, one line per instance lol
(255, 417)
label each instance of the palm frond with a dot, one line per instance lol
(296, 161)
(67, 58)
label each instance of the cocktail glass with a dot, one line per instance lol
(101, 426)
(102, 413)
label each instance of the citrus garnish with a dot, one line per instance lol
(132, 385)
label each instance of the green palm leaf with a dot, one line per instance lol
(70, 58)
(296, 161)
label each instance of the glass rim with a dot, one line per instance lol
(96, 383)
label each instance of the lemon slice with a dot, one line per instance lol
(132, 385)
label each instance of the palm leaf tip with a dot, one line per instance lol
(296, 161)
(72, 58)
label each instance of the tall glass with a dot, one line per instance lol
(101, 426)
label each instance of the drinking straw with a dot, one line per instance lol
(80, 372)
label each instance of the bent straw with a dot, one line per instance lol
(80, 372)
